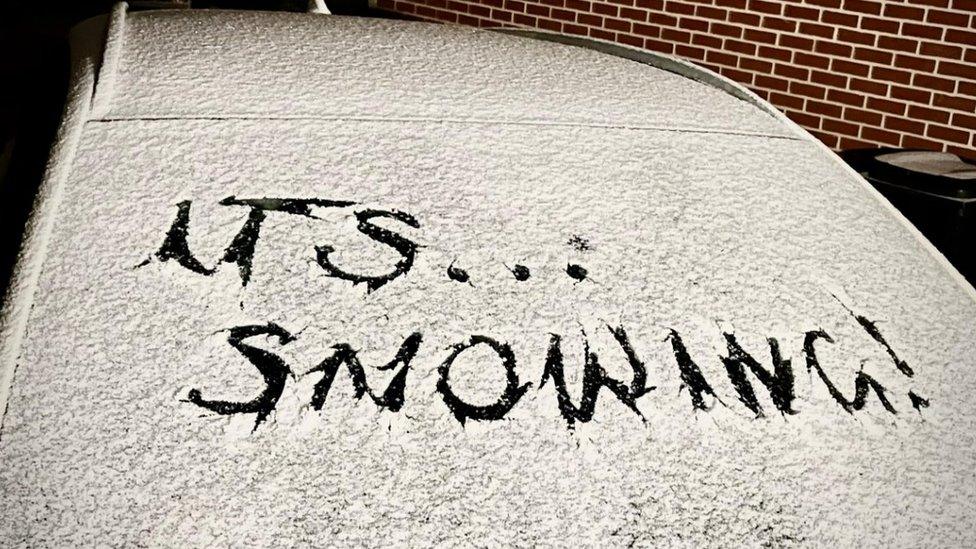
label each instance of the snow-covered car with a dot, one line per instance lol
(306, 280)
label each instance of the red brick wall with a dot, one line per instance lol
(855, 73)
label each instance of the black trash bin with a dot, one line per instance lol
(936, 191)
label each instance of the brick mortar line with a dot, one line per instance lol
(901, 138)
(829, 56)
(746, 11)
(925, 123)
(907, 102)
(782, 14)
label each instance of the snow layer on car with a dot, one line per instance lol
(248, 64)
(697, 235)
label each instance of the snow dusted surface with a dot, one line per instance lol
(690, 211)
(246, 63)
